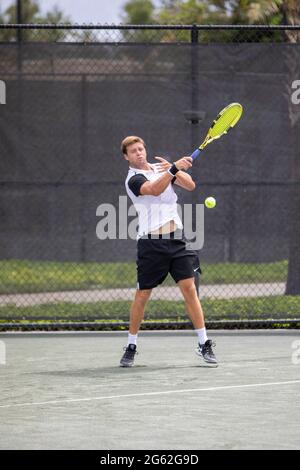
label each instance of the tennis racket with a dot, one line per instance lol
(226, 119)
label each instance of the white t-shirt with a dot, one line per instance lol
(153, 211)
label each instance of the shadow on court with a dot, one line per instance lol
(66, 391)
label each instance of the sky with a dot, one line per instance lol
(83, 11)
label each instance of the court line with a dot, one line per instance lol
(167, 392)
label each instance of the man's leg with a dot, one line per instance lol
(136, 316)
(137, 309)
(192, 302)
(195, 312)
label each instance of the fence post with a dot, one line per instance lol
(82, 176)
(194, 105)
(19, 20)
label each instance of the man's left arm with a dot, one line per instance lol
(182, 179)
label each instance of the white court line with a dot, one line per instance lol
(148, 394)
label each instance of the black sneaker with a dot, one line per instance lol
(128, 356)
(205, 351)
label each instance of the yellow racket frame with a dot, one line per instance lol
(226, 119)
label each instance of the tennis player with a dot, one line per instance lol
(160, 249)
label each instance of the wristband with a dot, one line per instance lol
(173, 170)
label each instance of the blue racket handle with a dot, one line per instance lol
(195, 154)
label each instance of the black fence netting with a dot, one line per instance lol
(68, 98)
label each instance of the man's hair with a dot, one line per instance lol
(131, 139)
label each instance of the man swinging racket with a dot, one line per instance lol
(159, 249)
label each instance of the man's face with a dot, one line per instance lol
(136, 155)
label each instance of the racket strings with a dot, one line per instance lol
(225, 120)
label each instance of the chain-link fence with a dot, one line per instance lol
(70, 94)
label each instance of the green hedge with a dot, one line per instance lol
(243, 308)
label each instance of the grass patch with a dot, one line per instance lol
(277, 307)
(21, 276)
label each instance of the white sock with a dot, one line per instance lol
(132, 339)
(202, 336)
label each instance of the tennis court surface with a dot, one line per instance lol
(67, 391)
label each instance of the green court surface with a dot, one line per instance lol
(67, 391)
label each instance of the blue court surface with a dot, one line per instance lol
(67, 391)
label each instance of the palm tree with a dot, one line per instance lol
(285, 12)
(291, 12)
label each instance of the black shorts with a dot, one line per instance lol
(156, 257)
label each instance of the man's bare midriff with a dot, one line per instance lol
(166, 228)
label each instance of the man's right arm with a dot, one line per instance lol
(155, 188)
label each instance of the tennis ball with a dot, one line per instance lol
(210, 202)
